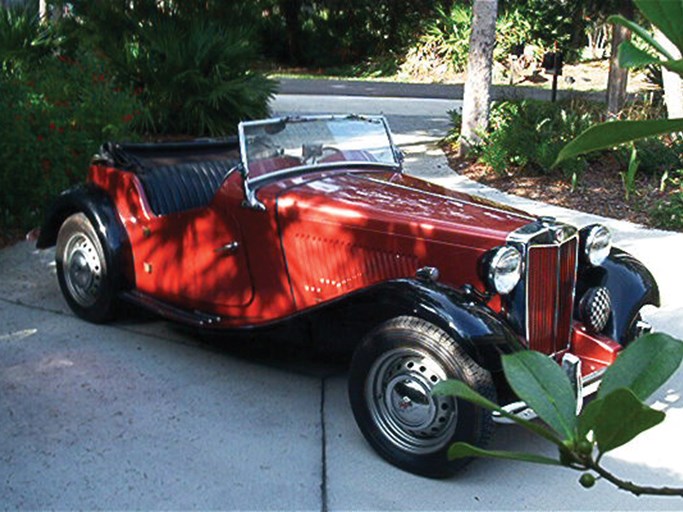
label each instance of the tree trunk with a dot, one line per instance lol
(291, 10)
(673, 85)
(42, 10)
(475, 107)
(618, 76)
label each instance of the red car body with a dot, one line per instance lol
(344, 248)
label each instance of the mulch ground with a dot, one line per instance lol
(600, 189)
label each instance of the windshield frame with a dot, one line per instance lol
(258, 181)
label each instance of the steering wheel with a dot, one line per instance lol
(332, 149)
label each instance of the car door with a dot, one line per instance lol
(219, 264)
(194, 258)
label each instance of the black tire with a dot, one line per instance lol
(82, 270)
(399, 363)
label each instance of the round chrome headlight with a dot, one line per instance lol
(503, 269)
(597, 243)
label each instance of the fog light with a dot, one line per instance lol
(595, 308)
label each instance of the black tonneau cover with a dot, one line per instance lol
(137, 157)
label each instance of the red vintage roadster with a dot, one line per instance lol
(309, 224)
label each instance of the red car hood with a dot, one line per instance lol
(344, 231)
(400, 204)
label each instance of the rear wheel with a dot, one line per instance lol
(392, 375)
(82, 270)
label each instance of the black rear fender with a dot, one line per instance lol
(96, 204)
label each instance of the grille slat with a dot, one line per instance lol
(551, 275)
(565, 307)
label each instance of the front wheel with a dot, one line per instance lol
(392, 375)
(82, 271)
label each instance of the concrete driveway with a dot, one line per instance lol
(140, 414)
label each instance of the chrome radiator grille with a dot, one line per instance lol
(550, 282)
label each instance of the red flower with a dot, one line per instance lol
(40, 138)
(52, 127)
(127, 118)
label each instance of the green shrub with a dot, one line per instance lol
(527, 135)
(668, 213)
(195, 78)
(561, 22)
(332, 33)
(444, 44)
(658, 156)
(513, 28)
(194, 72)
(56, 116)
(23, 40)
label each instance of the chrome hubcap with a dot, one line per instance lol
(399, 395)
(82, 270)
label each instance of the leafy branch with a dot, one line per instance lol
(616, 415)
(667, 16)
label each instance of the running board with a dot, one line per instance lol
(166, 310)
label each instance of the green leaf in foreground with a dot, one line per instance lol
(588, 417)
(462, 450)
(622, 417)
(613, 133)
(674, 65)
(541, 383)
(461, 390)
(630, 56)
(644, 366)
(618, 19)
(667, 16)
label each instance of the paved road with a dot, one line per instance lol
(374, 89)
(140, 414)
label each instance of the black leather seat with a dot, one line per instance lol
(180, 187)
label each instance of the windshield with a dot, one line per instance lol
(276, 145)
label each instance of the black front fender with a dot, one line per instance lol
(631, 286)
(474, 326)
(96, 204)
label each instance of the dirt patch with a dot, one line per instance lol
(600, 190)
